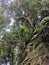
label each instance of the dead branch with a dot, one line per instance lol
(25, 17)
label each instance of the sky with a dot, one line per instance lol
(8, 29)
(6, 13)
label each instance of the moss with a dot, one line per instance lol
(41, 49)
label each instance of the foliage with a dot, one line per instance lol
(25, 41)
(3, 49)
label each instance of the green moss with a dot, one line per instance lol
(41, 49)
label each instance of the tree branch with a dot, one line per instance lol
(25, 17)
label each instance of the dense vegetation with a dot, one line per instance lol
(24, 32)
